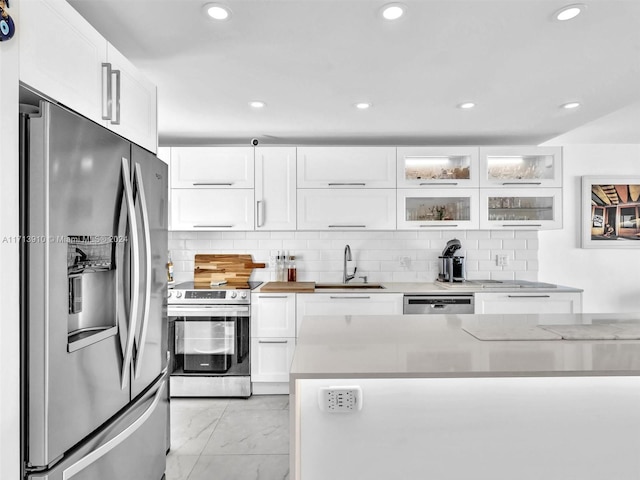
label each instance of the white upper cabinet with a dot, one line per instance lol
(454, 208)
(211, 209)
(437, 167)
(61, 55)
(521, 166)
(346, 167)
(275, 188)
(64, 58)
(520, 208)
(347, 209)
(133, 102)
(212, 167)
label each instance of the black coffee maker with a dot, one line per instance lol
(451, 266)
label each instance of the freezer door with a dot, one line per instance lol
(150, 191)
(132, 447)
(72, 356)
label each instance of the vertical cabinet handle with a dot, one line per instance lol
(116, 75)
(260, 213)
(107, 99)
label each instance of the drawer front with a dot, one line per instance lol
(271, 359)
(273, 315)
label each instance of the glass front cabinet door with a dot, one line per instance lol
(455, 208)
(520, 166)
(517, 208)
(430, 167)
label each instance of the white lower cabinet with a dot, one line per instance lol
(347, 304)
(270, 362)
(347, 209)
(528, 303)
(212, 209)
(273, 341)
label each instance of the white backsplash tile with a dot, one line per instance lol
(410, 256)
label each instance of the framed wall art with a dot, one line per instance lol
(611, 212)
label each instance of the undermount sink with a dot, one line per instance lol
(349, 286)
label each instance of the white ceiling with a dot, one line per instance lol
(311, 60)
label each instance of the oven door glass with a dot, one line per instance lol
(211, 341)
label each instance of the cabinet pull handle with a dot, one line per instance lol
(210, 184)
(260, 213)
(116, 74)
(272, 296)
(522, 225)
(439, 183)
(213, 226)
(529, 296)
(107, 101)
(347, 226)
(273, 341)
(521, 183)
(439, 226)
(351, 184)
(338, 297)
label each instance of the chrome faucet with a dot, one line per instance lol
(347, 258)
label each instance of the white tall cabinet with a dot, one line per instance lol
(275, 188)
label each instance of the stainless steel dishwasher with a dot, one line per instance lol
(435, 303)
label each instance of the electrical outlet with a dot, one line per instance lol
(340, 399)
(502, 260)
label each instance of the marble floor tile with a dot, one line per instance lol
(179, 466)
(192, 425)
(241, 467)
(250, 432)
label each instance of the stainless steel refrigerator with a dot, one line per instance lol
(93, 287)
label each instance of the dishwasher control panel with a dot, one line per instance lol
(438, 304)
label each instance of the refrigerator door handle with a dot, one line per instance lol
(105, 448)
(137, 178)
(135, 270)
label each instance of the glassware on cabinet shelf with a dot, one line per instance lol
(437, 167)
(525, 167)
(438, 209)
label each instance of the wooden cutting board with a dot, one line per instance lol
(283, 287)
(235, 269)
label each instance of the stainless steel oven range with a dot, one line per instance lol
(209, 337)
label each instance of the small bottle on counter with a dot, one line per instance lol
(169, 268)
(281, 275)
(292, 272)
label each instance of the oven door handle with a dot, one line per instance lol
(207, 311)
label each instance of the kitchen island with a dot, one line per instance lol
(381, 397)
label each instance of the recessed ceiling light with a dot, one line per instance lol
(569, 12)
(466, 105)
(363, 105)
(570, 105)
(217, 11)
(257, 104)
(392, 11)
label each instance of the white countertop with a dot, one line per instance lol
(435, 287)
(412, 346)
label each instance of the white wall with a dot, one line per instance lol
(9, 313)
(610, 278)
(382, 256)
